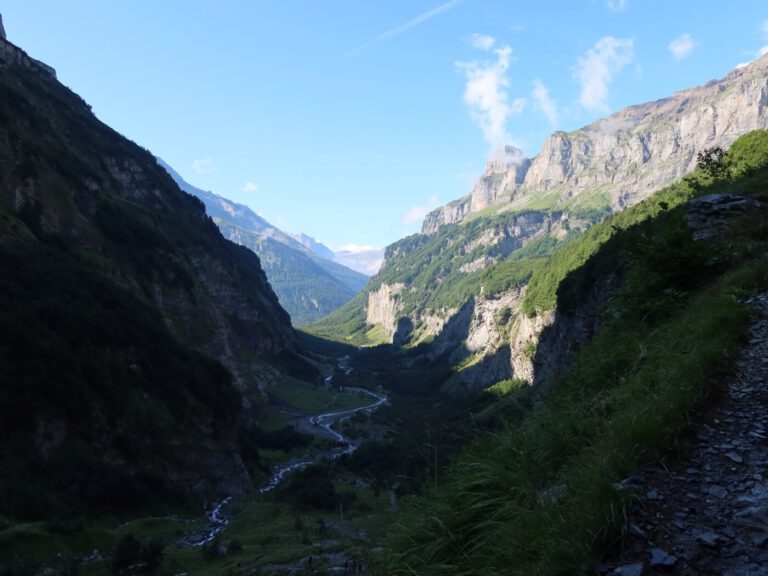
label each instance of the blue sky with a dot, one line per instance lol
(346, 119)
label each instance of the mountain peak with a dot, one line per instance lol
(2, 29)
(619, 160)
(509, 155)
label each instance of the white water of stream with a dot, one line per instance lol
(319, 425)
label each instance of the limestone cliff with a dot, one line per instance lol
(622, 159)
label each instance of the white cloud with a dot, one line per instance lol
(597, 68)
(420, 19)
(544, 102)
(416, 213)
(764, 29)
(681, 46)
(763, 50)
(486, 95)
(204, 166)
(482, 41)
(617, 5)
(357, 249)
(250, 187)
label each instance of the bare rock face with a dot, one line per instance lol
(503, 174)
(627, 156)
(12, 55)
(384, 308)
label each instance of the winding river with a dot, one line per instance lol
(319, 425)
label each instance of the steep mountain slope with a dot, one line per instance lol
(461, 284)
(653, 306)
(308, 285)
(119, 303)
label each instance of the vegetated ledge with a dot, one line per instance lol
(544, 495)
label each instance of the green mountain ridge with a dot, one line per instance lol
(134, 339)
(309, 286)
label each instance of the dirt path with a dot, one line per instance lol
(707, 513)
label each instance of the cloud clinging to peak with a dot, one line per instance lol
(682, 46)
(596, 69)
(485, 92)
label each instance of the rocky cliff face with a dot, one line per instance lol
(503, 174)
(383, 308)
(622, 159)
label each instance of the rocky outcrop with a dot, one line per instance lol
(383, 308)
(708, 215)
(525, 344)
(503, 174)
(622, 159)
(12, 55)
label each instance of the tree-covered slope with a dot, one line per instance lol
(304, 288)
(130, 329)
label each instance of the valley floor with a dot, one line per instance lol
(706, 513)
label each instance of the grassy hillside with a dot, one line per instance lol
(541, 496)
(487, 255)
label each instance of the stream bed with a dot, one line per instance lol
(320, 425)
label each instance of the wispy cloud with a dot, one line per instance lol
(485, 92)
(357, 249)
(204, 166)
(763, 50)
(764, 29)
(250, 187)
(482, 41)
(617, 5)
(596, 69)
(681, 46)
(404, 27)
(544, 102)
(416, 213)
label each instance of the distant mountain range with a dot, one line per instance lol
(308, 282)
